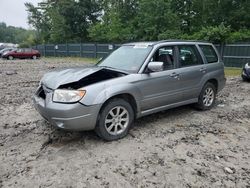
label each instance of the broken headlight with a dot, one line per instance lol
(68, 96)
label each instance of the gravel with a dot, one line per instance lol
(181, 147)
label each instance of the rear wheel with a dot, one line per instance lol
(115, 119)
(207, 97)
(10, 57)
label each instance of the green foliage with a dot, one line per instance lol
(117, 22)
(219, 34)
(30, 41)
(241, 35)
(154, 19)
(170, 34)
(16, 35)
(196, 14)
(61, 21)
(138, 21)
(112, 29)
(39, 19)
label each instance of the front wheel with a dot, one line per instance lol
(34, 57)
(115, 119)
(207, 97)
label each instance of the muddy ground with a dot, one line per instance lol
(182, 147)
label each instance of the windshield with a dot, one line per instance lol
(3, 50)
(6, 50)
(127, 58)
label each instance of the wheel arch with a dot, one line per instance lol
(125, 96)
(214, 82)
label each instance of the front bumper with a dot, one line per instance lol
(76, 117)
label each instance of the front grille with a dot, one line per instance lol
(40, 93)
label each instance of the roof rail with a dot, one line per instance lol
(179, 40)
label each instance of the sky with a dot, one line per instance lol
(13, 12)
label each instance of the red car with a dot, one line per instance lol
(22, 54)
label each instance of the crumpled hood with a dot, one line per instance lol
(55, 79)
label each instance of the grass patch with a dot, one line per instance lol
(232, 71)
(71, 59)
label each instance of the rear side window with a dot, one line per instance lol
(209, 53)
(189, 56)
(27, 50)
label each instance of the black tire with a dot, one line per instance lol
(244, 78)
(10, 57)
(101, 127)
(201, 105)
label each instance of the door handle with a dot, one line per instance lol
(174, 75)
(203, 70)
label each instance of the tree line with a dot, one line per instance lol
(61, 21)
(16, 35)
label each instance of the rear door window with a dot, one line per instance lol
(189, 56)
(209, 53)
(27, 50)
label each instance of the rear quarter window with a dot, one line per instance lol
(209, 53)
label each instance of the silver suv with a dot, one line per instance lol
(135, 80)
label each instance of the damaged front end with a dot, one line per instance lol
(77, 78)
(73, 81)
(57, 98)
(98, 76)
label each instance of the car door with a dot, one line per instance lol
(27, 53)
(160, 89)
(18, 53)
(191, 71)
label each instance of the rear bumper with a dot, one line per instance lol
(222, 84)
(76, 117)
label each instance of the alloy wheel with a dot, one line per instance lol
(117, 120)
(208, 97)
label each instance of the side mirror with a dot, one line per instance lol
(155, 66)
